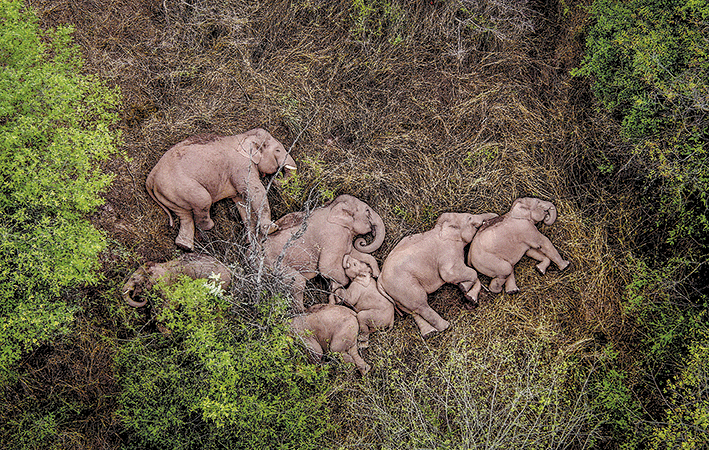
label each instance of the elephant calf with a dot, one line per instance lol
(502, 242)
(374, 310)
(191, 265)
(330, 328)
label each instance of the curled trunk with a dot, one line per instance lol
(378, 232)
(551, 214)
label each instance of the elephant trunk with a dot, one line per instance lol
(378, 232)
(127, 292)
(551, 214)
(289, 167)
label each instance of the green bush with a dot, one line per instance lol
(649, 61)
(687, 412)
(211, 381)
(55, 127)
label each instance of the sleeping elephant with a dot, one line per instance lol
(422, 263)
(502, 242)
(191, 265)
(305, 246)
(331, 328)
(374, 310)
(204, 169)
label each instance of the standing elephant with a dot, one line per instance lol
(420, 264)
(374, 310)
(191, 265)
(331, 328)
(305, 246)
(204, 169)
(500, 244)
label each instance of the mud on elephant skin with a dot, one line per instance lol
(306, 245)
(329, 328)
(192, 265)
(503, 241)
(201, 170)
(421, 263)
(374, 310)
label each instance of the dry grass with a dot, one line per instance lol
(453, 117)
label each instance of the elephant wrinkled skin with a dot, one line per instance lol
(202, 170)
(502, 242)
(305, 246)
(329, 328)
(191, 265)
(374, 310)
(420, 264)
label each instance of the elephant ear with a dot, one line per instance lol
(341, 214)
(449, 227)
(255, 152)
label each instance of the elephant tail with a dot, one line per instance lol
(151, 192)
(381, 290)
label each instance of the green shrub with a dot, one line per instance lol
(649, 63)
(687, 412)
(54, 130)
(211, 381)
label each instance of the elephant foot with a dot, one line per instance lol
(512, 292)
(565, 265)
(205, 225)
(185, 244)
(541, 269)
(364, 370)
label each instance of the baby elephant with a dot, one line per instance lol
(503, 241)
(330, 328)
(192, 265)
(374, 310)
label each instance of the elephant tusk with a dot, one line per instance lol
(289, 167)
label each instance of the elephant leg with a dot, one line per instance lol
(315, 351)
(297, 288)
(473, 294)
(352, 356)
(548, 249)
(541, 257)
(500, 271)
(432, 317)
(511, 284)
(185, 237)
(424, 327)
(365, 319)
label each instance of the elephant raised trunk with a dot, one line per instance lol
(551, 213)
(378, 231)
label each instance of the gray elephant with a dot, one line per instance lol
(307, 245)
(502, 242)
(329, 328)
(201, 170)
(192, 265)
(374, 310)
(420, 264)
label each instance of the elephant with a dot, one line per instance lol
(203, 169)
(306, 245)
(330, 328)
(192, 265)
(374, 310)
(421, 263)
(501, 242)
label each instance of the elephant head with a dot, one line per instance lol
(357, 216)
(267, 153)
(135, 286)
(533, 209)
(460, 226)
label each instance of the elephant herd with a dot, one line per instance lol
(329, 241)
